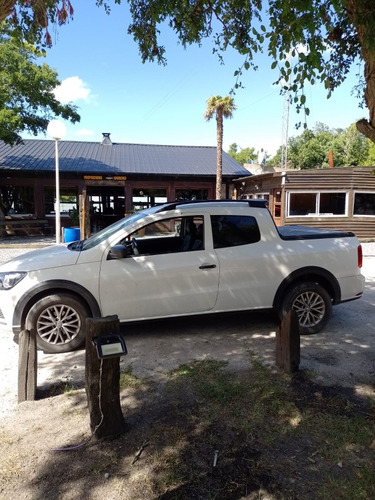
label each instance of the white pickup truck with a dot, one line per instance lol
(181, 259)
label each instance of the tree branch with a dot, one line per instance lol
(366, 128)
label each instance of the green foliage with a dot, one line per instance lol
(307, 40)
(27, 102)
(246, 155)
(222, 107)
(310, 149)
(370, 160)
(30, 19)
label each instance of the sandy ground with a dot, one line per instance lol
(344, 354)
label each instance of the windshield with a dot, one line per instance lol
(107, 232)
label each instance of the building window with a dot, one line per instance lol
(145, 198)
(317, 204)
(68, 201)
(17, 200)
(364, 204)
(191, 194)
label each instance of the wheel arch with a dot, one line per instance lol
(48, 288)
(309, 274)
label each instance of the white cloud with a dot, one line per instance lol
(299, 49)
(72, 89)
(85, 132)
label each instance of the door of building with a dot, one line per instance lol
(107, 205)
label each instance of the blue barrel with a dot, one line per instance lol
(72, 234)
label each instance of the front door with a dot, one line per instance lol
(171, 272)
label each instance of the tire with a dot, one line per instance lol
(59, 321)
(312, 304)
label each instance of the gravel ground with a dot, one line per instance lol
(344, 354)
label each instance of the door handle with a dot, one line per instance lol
(207, 266)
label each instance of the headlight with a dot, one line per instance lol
(9, 280)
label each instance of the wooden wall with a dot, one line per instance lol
(350, 179)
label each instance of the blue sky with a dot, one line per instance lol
(102, 73)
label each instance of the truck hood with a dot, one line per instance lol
(43, 258)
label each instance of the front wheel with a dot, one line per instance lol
(59, 321)
(312, 304)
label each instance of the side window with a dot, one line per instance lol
(234, 230)
(177, 234)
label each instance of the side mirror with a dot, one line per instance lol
(118, 252)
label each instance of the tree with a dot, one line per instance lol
(311, 148)
(30, 18)
(352, 146)
(370, 160)
(27, 102)
(246, 155)
(309, 41)
(222, 107)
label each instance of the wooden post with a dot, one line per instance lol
(102, 378)
(27, 366)
(288, 343)
(84, 215)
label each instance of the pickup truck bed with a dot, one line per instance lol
(310, 233)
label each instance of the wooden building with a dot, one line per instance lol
(334, 198)
(116, 178)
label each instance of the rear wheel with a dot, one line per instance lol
(313, 306)
(59, 321)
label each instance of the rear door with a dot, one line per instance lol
(249, 274)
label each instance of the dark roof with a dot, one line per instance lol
(117, 158)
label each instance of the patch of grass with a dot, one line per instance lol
(106, 462)
(360, 486)
(291, 421)
(210, 380)
(278, 436)
(340, 434)
(68, 387)
(128, 380)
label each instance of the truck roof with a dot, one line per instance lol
(257, 203)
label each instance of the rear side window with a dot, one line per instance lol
(234, 230)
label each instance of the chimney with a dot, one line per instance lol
(106, 141)
(330, 159)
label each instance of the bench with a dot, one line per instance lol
(25, 226)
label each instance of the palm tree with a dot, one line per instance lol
(223, 107)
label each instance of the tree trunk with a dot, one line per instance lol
(367, 127)
(219, 152)
(6, 7)
(356, 14)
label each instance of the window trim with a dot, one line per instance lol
(317, 203)
(216, 238)
(357, 191)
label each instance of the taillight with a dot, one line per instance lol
(360, 256)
